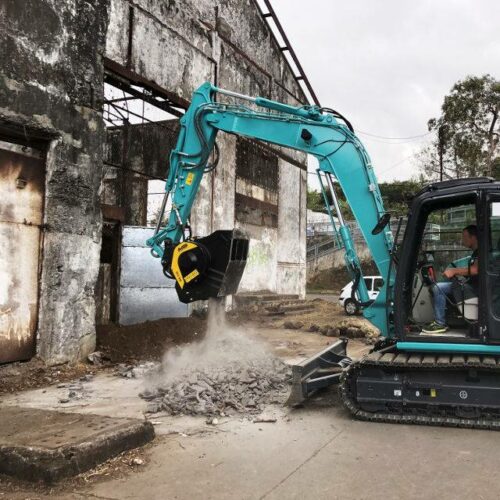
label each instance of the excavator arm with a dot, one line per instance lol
(316, 131)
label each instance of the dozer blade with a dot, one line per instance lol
(227, 253)
(321, 370)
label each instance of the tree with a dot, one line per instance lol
(315, 201)
(396, 196)
(467, 132)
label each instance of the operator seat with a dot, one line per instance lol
(466, 298)
(466, 295)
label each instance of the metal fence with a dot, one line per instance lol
(330, 243)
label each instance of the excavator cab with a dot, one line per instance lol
(441, 249)
(432, 244)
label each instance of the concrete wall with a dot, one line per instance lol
(177, 46)
(51, 93)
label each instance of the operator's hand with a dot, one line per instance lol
(449, 273)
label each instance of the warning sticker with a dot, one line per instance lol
(191, 276)
(189, 179)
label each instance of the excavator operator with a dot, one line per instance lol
(443, 289)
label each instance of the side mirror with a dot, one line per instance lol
(382, 222)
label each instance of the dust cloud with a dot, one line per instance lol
(226, 371)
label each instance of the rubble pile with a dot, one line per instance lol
(233, 387)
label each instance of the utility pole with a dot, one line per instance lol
(441, 143)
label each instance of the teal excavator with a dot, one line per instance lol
(450, 378)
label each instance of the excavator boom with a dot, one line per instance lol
(316, 131)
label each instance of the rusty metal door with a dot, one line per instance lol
(22, 180)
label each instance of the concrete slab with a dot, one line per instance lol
(43, 445)
(314, 452)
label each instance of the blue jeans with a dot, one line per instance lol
(441, 290)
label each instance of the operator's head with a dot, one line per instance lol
(469, 237)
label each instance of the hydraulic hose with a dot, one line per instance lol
(355, 285)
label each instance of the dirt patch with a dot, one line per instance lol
(147, 341)
(321, 317)
(336, 279)
(118, 344)
(21, 376)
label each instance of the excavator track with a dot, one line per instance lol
(425, 389)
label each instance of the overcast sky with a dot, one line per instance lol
(387, 64)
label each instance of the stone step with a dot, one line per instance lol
(44, 445)
(245, 299)
(295, 309)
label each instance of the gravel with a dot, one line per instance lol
(232, 388)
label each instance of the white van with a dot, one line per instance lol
(351, 307)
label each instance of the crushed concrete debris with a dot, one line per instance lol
(227, 372)
(76, 391)
(136, 371)
(96, 358)
(220, 391)
(264, 420)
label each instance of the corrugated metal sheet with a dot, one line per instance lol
(145, 293)
(22, 178)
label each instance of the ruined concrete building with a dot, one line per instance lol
(90, 91)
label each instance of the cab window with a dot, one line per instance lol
(494, 257)
(369, 283)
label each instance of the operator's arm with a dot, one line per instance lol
(462, 271)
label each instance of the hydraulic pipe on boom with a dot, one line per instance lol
(320, 132)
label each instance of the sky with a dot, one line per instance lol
(386, 65)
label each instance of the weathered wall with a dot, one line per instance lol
(177, 46)
(51, 89)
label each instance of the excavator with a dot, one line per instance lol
(410, 376)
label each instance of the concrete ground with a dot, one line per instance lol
(316, 451)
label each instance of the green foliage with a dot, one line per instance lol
(315, 201)
(396, 195)
(467, 132)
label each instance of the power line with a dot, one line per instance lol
(394, 138)
(396, 164)
(383, 171)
